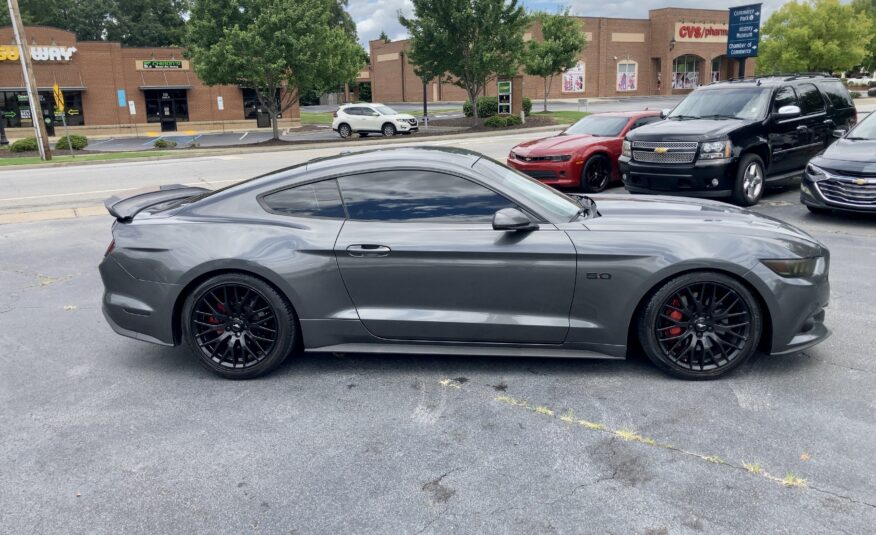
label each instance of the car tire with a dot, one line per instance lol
(239, 326)
(344, 130)
(819, 211)
(363, 134)
(388, 130)
(596, 174)
(700, 325)
(750, 181)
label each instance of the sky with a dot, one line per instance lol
(372, 16)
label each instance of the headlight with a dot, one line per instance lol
(797, 267)
(816, 173)
(512, 156)
(715, 150)
(563, 158)
(627, 149)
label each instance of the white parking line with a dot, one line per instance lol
(243, 136)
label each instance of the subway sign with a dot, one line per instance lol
(38, 53)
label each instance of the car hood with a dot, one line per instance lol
(849, 156)
(405, 116)
(557, 144)
(686, 130)
(677, 214)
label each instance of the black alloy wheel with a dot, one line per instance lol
(239, 326)
(596, 174)
(701, 326)
(344, 130)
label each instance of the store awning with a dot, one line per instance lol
(148, 87)
(49, 88)
(165, 80)
(67, 79)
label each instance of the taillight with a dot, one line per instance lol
(334, 114)
(110, 249)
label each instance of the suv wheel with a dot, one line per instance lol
(344, 130)
(749, 185)
(388, 130)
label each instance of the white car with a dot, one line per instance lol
(372, 118)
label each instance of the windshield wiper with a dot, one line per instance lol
(857, 138)
(588, 207)
(683, 117)
(719, 116)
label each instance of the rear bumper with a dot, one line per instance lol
(694, 179)
(558, 174)
(135, 308)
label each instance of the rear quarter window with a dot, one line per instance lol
(837, 94)
(319, 199)
(811, 100)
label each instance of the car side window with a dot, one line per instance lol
(643, 121)
(419, 195)
(811, 100)
(369, 112)
(785, 96)
(837, 94)
(317, 199)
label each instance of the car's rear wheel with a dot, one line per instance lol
(596, 174)
(700, 325)
(344, 130)
(749, 185)
(239, 326)
(388, 130)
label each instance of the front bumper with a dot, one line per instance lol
(135, 308)
(811, 195)
(693, 180)
(557, 174)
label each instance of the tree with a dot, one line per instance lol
(280, 49)
(867, 8)
(468, 41)
(383, 37)
(88, 19)
(818, 35)
(563, 40)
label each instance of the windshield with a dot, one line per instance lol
(385, 110)
(598, 125)
(737, 103)
(546, 199)
(866, 129)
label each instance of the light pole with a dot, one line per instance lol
(33, 96)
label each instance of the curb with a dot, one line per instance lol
(201, 153)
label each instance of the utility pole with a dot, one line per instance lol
(33, 96)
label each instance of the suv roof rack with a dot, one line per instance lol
(786, 77)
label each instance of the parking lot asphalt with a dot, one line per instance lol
(102, 434)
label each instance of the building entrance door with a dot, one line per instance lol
(167, 107)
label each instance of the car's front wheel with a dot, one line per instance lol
(239, 326)
(749, 185)
(700, 325)
(596, 174)
(388, 130)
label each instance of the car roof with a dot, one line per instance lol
(772, 80)
(347, 105)
(397, 156)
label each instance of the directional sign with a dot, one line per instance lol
(743, 34)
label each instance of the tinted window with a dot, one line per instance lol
(319, 199)
(837, 94)
(353, 111)
(811, 100)
(784, 97)
(419, 195)
(643, 121)
(720, 101)
(599, 125)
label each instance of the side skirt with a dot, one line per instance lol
(484, 351)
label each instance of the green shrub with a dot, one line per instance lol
(856, 94)
(527, 106)
(25, 145)
(487, 107)
(502, 121)
(164, 144)
(78, 142)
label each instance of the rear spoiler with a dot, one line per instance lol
(125, 209)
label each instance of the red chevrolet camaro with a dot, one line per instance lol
(583, 156)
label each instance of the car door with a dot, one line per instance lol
(370, 119)
(819, 125)
(787, 135)
(354, 117)
(421, 261)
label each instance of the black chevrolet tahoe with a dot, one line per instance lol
(734, 138)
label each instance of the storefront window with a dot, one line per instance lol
(15, 107)
(251, 103)
(685, 72)
(167, 104)
(716, 69)
(573, 79)
(627, 76)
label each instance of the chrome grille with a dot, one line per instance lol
(676, 151)
(413, 122)
(844, 190)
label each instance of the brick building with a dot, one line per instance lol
(670, 52)
(108, 87)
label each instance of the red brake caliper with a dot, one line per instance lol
(677, 316)
(214, 320)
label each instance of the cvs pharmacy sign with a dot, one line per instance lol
(701, 32)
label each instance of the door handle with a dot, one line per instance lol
(368, 249)
(802, 128)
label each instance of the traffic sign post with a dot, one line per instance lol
(743, 34)
(59, 107)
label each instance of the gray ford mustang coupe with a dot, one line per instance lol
(441, 251)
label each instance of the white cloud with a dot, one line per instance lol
(374, 16)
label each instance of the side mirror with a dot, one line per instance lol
(786, 112)
(839, 132)
(664, 113)
(512, 219)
